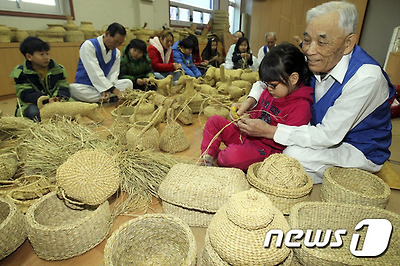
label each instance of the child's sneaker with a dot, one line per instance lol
(207, 160)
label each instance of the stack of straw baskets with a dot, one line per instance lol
(194, 193)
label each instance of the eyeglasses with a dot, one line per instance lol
(271, 85)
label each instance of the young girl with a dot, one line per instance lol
(285, 100)
(161, 55)
(210, 53)
(242, 57)
(182, 51)
(135, 64)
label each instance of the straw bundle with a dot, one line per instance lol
(354, 186)
(173, 138)
(153, 239)
(58, 232)
(12, 127)
(194, 193)
(12, 228)
(334, 216)
(216, 109)
(89, 176)
(142, 136)
(8, 164)
(282, 178)
(238, 229)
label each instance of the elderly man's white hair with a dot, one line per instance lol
(347, 14)
(271, 33)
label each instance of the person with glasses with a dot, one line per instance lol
(98, 68)
(350, 125)
(286, 99)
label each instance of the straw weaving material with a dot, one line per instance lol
(354, 186)
(283, 179)
(173, 138)
(8, 165)
(143, 136)
(209, 256)
(12, 127)
(330, 215)
(152, 239)
(238, 229)
(58, 232)
(89, 176)
(216, 109)
(200, 191)
(12, 228)
(122, 113)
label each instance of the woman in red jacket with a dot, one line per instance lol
(161, 56)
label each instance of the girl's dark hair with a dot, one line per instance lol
(240, 32)
(281, 61)
(33, 44)
(137, 44)
(239, 42)
(196, 44)
(187, 43)
(208, 52)
(165, 33)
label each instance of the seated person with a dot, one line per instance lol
(270, 42)
(242, 57)
(199, 62)
(98, 68)
(228, 59)
(210, 53)
(286, 99)
(38, 76)
(161, 55)
(136, 65)
(182, 51)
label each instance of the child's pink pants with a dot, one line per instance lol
(240, 152)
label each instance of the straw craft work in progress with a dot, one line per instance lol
(89, 176)
(283, 179)
(173, 138)
(142, 136)
(12, 228)
(354, 186)
(152, 239)
(238, 229)
(8, 165)
(334, 216)
(58, 232)
(194, 193)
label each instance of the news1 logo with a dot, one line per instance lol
(375, 243)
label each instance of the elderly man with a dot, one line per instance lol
(98, 68)
(270, 40)
(350, 124)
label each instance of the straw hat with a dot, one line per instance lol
(334, 216)
(89, 176)
(152, 239)
(354, 186)
(59, 232)
(12, 228)
(238, 229)
(282, 178)
(194, 193)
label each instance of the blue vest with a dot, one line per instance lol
(81, 74)
(372, 135)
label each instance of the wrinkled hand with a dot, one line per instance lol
(141, 82)
(118, 93)
(105, 96)
(256, 128)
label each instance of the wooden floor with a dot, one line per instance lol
(25, 254)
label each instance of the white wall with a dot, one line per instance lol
(130, 13)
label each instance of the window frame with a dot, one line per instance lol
(40, 15)
(178, 23)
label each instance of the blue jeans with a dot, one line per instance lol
(32, 112)
(162, 75)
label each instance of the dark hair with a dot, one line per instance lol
(240, 32)
(239, 42)
(196, 44)
(138, 44)
(164, 34)
(281, 61)
(33, 44)
(115, 28)
(208, 52)
(187, 43)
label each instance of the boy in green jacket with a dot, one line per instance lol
(39, 75)
(136, 65)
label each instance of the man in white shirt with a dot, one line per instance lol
(270, 42)
(351, 114)
(98, 68)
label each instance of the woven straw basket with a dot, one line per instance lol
(334, 216)
(89, 176)
(173, 138)
(194, 193)
(12, 228)
(153, 239)
(58, 232)
(238, 229)
(283, 179)
(122, 113)
(354, 186)
(8, 165)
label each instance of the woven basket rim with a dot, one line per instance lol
(192, 250)
(11, 213)
(330, 179)
(275, 190)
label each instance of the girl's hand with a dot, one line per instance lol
(234, 111)
(177, 66)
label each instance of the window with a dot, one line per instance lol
(234, 15)
(37, 8)
(186, 12)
